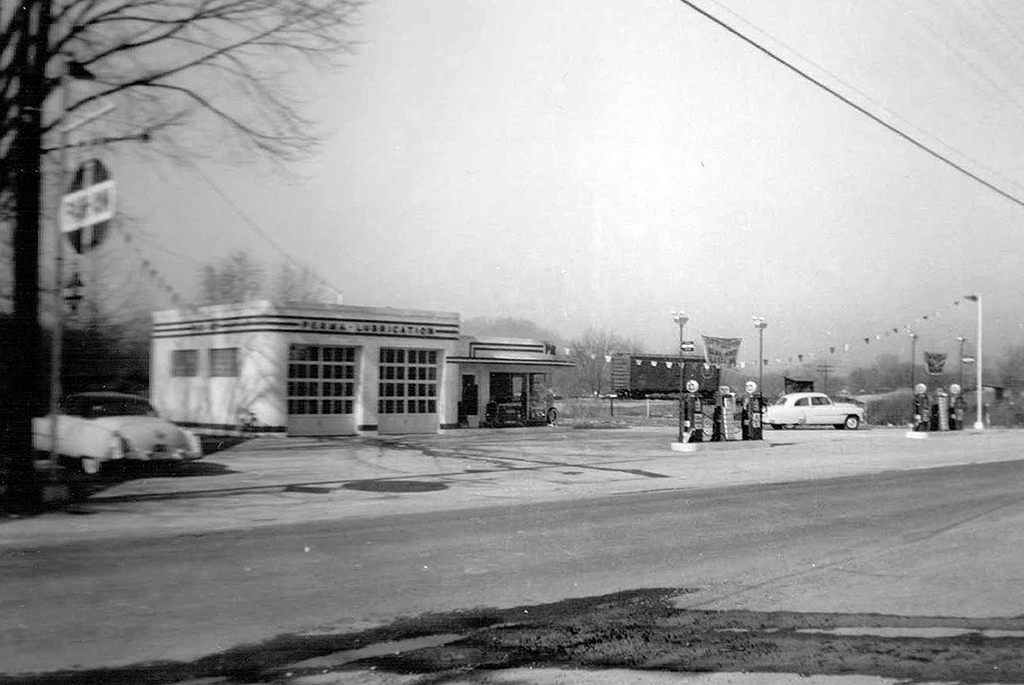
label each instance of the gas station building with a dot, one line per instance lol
(314, 369)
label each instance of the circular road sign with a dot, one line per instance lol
(90, 202)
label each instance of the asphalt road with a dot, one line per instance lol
(830, 544)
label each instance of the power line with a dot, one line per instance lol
(878, 105)
(877, 119)
(263, 234)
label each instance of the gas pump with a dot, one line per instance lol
(725, 426)
(922, 410)
(942, 402)
(732, 429)
(752, 429)
(958, 407)
(716, 416)
(693, 413)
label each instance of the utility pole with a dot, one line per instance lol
(26, 394)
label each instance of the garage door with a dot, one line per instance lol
(407, 396)
(322, 386)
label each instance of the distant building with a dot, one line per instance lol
(338, 369)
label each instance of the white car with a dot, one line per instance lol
(97, 427)
(812, 409)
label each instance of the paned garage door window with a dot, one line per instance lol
(408, 381)
(321, 380)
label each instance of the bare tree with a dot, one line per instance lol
(235, 278)
(196, 72)
(174, 63)
(300, 284)
(590, 351)
(239, 277)
(1011, 369)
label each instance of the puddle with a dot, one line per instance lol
(378, 649)
(395, 485)
(315, 489)
(932, 632)
(746, 630)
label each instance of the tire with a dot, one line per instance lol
(776, 426)
(788, 426)
(552, 416)
(852, 422)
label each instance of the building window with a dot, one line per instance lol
(321, 380)
(224, 361)
(408, 381)
(184, 363)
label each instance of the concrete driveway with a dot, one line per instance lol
(267, 481)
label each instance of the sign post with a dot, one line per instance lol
(89, 205)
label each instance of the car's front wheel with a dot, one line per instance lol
(852, 422)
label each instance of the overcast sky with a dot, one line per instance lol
(598, 163)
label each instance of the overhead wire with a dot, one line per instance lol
(851, 103)
(252, 224)
(878, 105)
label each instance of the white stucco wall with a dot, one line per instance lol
(266, 333)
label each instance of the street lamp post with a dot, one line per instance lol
(961, 339)
(760, 324)
(913, 357)
(979, 391)
(913, 377)
(680, 318)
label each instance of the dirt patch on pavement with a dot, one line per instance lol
(642, 629)
(388, 485)
(645, 630)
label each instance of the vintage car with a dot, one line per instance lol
(98, 427)
(813, 409)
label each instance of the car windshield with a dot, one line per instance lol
(781, 401)
(94, 407)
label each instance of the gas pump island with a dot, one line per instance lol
(939, 410)
(718, 415)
